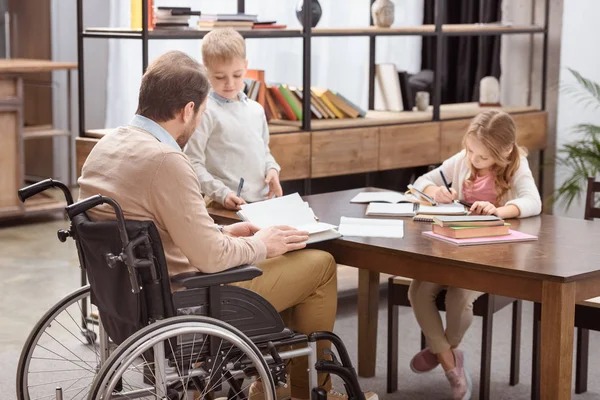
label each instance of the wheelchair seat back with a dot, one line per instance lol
(123, 312)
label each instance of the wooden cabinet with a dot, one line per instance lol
(292, 152)
(344, 151)
(354, 150)
(404, 146)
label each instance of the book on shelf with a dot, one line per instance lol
(408, 98)
(321, 106)
(513, 236)
(259, 76)
(387, 88)
(320, 93)
(412, 209)
(337, 102)
(292, 101)
(361, 112)
(239, 17)
(238, 25)
(282, 103)
(313, 109)
(288, 210)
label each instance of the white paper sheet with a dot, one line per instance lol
(370, 227)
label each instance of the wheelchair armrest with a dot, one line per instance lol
(199, 279)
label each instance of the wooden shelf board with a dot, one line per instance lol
(24, 65)
(426, 29)
(188, 33)
(42, 131)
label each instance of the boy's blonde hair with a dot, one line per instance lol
(496, 130)
(222, 45)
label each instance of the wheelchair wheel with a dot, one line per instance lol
(169, 358)
(61, 351)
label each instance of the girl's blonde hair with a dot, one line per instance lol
(496, 130)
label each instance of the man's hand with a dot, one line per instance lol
(281, 239)
(240, 229)
(232, 202)
(483, 208)
(272, 179)
(443, 196)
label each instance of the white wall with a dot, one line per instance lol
(64, 48)
(579, 52)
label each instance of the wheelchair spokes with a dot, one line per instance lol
(61, 351)
(174, 356)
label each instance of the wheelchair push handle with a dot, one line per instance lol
(32, 190)
(93, 201)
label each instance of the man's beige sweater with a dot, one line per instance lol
(153, 181)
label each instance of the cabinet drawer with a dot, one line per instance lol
(347, 151)
(292, 153)
(411, 145)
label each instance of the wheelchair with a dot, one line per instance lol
(125, 335)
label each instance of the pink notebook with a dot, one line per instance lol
(514, 236)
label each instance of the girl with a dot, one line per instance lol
(492, 173)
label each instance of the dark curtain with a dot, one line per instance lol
(466, 59)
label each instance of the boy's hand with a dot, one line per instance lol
(232, 202)
(272, 179)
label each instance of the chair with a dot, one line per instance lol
(587, 317)
(209, 337)
(485, 306)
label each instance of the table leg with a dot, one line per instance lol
(558, 318)
(368, 310)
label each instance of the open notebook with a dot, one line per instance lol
(410, 209)
(288, 210)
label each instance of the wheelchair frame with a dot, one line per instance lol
(209, 285)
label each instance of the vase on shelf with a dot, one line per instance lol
(382, 12)
(316, 12)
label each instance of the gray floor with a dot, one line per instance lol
(36, 270)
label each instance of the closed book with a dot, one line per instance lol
(513, 236)
(387, 88)
(292, 101)
(408, 99)
(321, 106)
(320, 94)
(259, 75)
(282, 103)
(298, 93)
(275, 114)
(462, 232)
(468, 220)
(360, 111)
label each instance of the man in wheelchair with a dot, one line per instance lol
(142, 167)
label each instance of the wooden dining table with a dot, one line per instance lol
(559, 269)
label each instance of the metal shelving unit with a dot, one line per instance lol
(437, 30)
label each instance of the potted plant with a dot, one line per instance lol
(581, 157)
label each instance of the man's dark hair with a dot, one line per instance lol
(170, 82)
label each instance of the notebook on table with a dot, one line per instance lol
(412, 209)
(513, 236)
(288, 210)
(383, 197)
(468, 220)
(370, 227)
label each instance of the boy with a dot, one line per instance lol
(232, 141)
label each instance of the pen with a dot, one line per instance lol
(445, 181)
(240, 186)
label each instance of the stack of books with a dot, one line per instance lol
(173, 17)
(474, 229)
(239, 22)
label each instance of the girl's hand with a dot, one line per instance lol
(442, 195)
(483, 208)
(272, 179)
